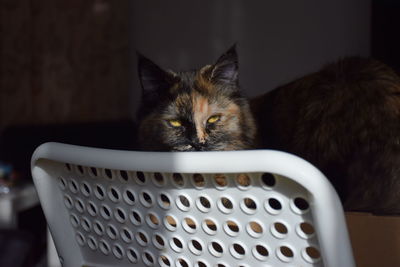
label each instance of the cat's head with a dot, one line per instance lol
(197, 110)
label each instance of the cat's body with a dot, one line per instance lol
(344, 119)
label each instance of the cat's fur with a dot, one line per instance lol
(192, 97)
(345, 119)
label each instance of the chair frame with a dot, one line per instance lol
(325, 205)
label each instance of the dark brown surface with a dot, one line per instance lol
(375, 239)
(63, 61)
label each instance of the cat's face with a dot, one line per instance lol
(195, 110)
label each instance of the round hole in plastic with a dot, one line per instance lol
(73, 186)
(176, 244)
(243, 180)
(140, 178)
(260, 252)
(231, 228)
(105, 212)
(80, 170)
(108, 174)
(237, 251)
(142, 238)
(99, 192)
(279, 230)
(112, 231)
(124, 175)
(120, 215)
(118, 251)
(305, 230)
(189, 225)
(104, 247)
(158, 179)
(68, 201)
(62, 183)
(146, 198)
(170, 223)
(209, 227)
(93, 172)
(129, 197)
(152, 220)
(126, 235)
(268, 179)
(311, 254)
(114, 195)
(80, 238)
(181, 262)
(68, 167)
(254, 229)
(148, 258)
(158, 241)
(203, 204)
(135, 217)
(164, 261)
(132, 255)
(92, 243)
(164, 201)
(201, 264)
(216, 249)
(178, 179)
(198, 180)
(98, 228)
(183, 202)
(196, 247)
(220, 180)
(86, 189)
(285, 254)
(301, 203)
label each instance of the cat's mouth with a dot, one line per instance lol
(186, 148)
(191, 148)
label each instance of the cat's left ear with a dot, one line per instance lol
(225, 70)
(155, 81)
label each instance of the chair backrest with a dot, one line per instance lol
(237, 208)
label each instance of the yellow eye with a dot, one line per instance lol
(175, 123)
(213, 119)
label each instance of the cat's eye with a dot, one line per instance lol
(213, 119)
(175, 123)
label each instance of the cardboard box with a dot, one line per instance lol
(375, 239)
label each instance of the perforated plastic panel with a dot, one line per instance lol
(132, 217)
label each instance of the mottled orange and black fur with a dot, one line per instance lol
(345, 119)
(194, 110)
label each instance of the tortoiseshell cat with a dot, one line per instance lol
(345, 119)
(194, 110)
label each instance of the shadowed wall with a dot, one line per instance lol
(63, 61)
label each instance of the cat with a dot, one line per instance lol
(199, 110)
(344, 119)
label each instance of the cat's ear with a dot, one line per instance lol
(225, 70)
(154, 80)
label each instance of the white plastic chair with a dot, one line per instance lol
(238, 208)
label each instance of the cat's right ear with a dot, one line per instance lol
(154, 81)
(225, 70)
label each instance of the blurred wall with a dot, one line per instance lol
(63, 61)
(74, 61)
(277, 40)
